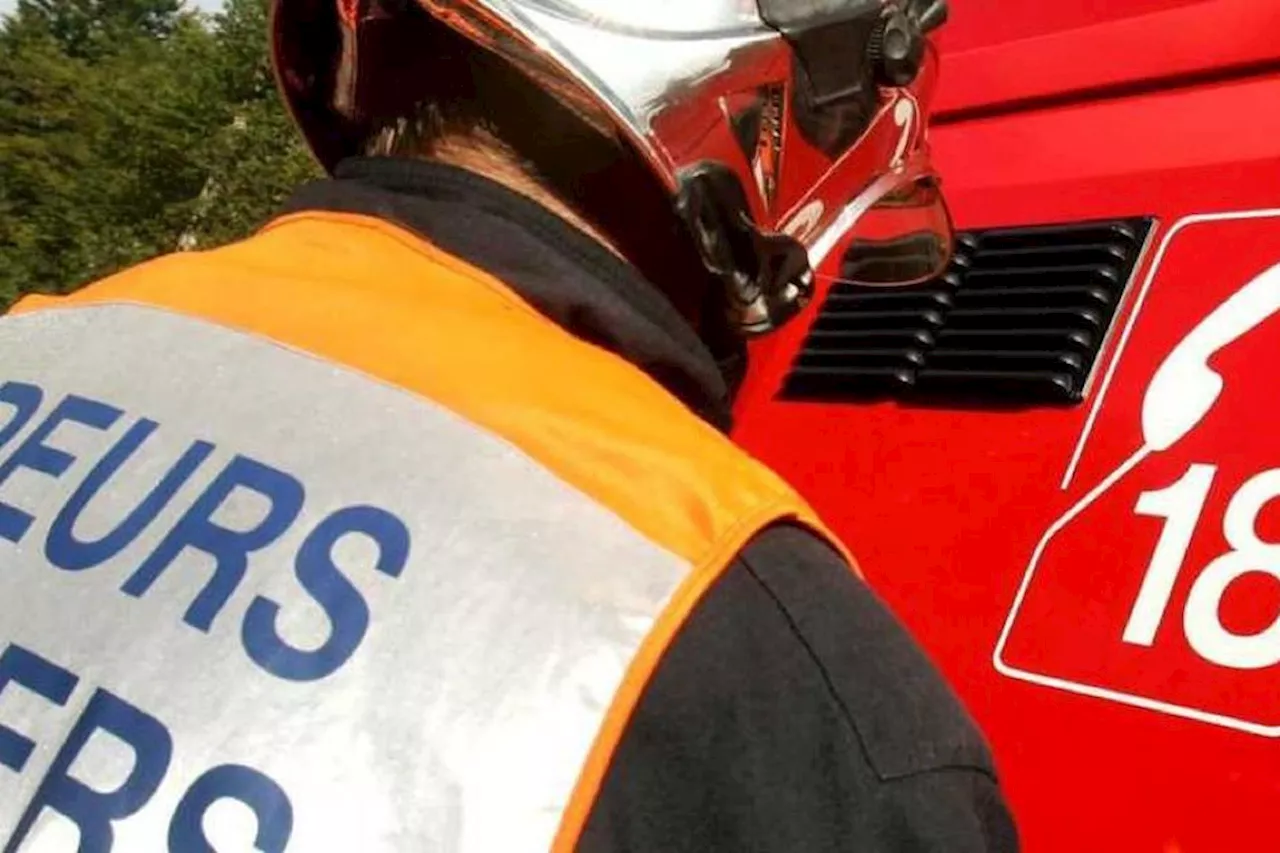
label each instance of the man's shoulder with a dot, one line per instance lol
(794, 712)
(906, 717)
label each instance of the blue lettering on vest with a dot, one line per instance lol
(38, 456)
(93, 812)
(25, 400)
(230, 549)
(231, 781)
(19, 666)
(65, 551)
(96, 813)
(346, 609)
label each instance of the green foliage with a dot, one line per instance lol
(129, 128)
(256, 157)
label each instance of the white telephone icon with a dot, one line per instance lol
(1184, 388)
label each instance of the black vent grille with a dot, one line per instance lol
(1017, 319)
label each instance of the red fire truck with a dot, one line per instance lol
(1059, 461)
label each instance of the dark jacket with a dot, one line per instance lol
(793, 714)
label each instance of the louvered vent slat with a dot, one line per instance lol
(1104, 274)
(1017, 319)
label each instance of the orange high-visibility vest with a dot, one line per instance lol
(333, 525)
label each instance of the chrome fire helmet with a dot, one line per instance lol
(789, 134)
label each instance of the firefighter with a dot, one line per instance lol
(411, 523)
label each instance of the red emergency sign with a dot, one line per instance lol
(1159, 584)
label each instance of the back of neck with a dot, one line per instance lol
(487, 156)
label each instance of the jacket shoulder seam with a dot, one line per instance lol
(845, 713)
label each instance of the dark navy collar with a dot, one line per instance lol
(561, 271)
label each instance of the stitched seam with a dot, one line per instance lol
(943, 768)
(835, 694)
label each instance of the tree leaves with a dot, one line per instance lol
(129, 127)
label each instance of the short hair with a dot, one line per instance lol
(455, 90)
(460, 91)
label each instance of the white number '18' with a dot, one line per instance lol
(1181, 505)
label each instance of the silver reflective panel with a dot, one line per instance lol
(253, 600)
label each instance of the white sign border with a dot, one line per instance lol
(1081, 688)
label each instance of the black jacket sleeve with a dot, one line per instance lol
(793, 714)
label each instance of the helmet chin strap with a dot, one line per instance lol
(720, 333)
(767, 276)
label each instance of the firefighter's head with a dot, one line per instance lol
(756, 144)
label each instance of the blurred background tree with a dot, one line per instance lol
(131, 128)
